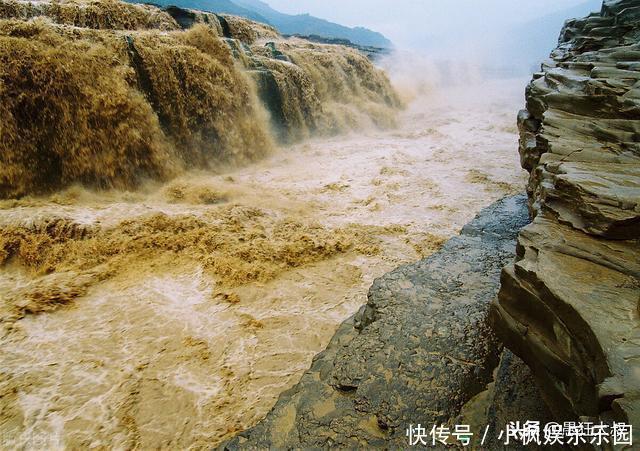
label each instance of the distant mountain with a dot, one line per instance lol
(216, 6)
(302, 24)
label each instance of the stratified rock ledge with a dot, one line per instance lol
(416, 353)
(568, 306)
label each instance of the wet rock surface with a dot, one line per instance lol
(415, 353)
(512, 397)
(568, 305)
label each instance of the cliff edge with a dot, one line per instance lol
(568, 305)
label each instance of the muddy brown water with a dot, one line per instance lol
(192, 305)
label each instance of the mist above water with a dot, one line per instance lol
(500, 38)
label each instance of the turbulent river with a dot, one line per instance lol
(177, 313)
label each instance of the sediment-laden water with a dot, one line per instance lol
(173, 315)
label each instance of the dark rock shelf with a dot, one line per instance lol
(416, 353)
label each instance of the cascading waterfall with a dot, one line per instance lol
(108, 94)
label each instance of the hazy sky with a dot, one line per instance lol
(411, 23)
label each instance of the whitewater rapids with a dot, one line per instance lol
(156, 352)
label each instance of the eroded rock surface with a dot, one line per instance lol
(569, 304)
(580, 133)
(416, 353)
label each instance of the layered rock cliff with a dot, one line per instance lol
(109, 94)
(569, 303)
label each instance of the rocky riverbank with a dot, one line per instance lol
(569, 304)
(418, 351)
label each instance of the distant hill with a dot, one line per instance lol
(302, 24)
(217, 6)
